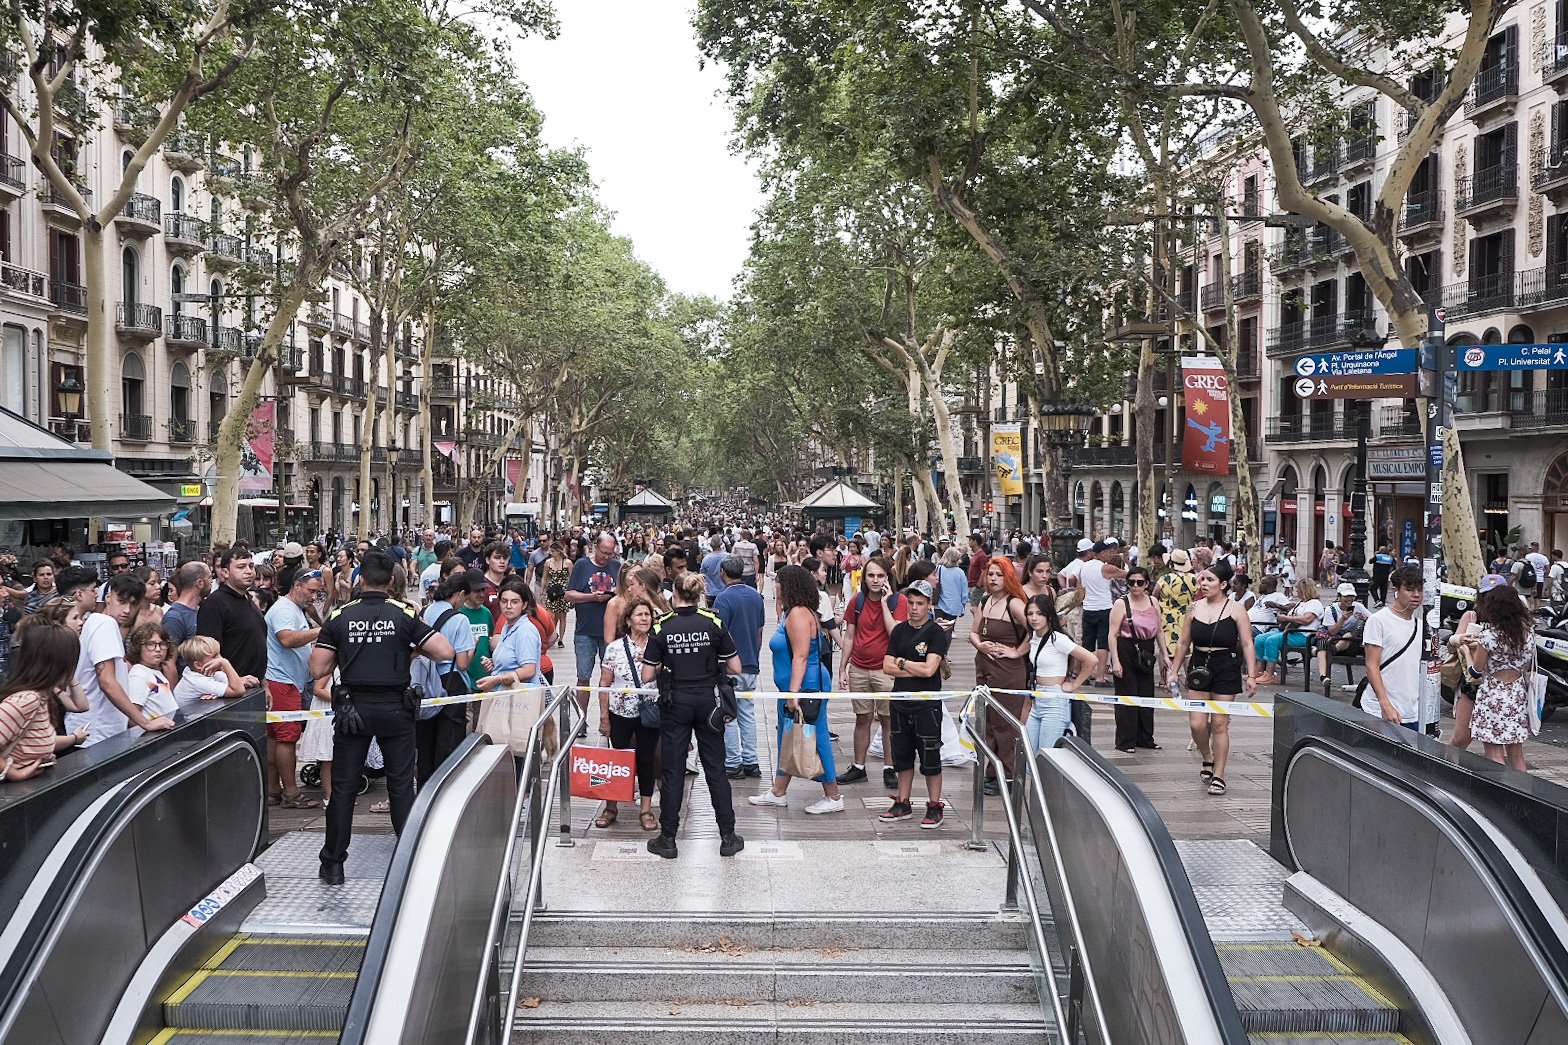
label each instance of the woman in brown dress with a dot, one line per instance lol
(1000, 637)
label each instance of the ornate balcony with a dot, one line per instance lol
(138, 321)
(142, 215)
(1488, 190)
(182, 431)
(136, 428)
(225, 251)
(183, 234)
(14, 279)
(1494, 91)
(187, 332)
(184, 151)
(13, 175)
(1423, 215)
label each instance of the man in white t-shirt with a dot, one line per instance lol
(1070, 572)
(1542, 566)
(101, 667)
(430, 575)
(1095, 579)
(1554, 577)
(1392, 639)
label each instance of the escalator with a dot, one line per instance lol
(154, 919)
(1407, 917)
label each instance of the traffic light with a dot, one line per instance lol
(989, 507)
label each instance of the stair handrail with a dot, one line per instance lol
(1011, 807)
(571, 722)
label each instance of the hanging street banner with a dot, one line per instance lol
(256, 453)
(514, 474)
(1205, 443)
(1367, 386)
(1007, 456)
(1511, 357)
(1352, 364)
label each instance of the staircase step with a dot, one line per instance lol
(894, 1023)
(270, 983)
(954, 931)
(1288, 989)
(1275, 1038)
(780, 975)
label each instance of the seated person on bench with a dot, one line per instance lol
(1339, 633)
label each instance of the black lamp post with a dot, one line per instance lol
(1063, 426)
(1356, 573)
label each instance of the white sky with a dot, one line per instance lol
(622, 80)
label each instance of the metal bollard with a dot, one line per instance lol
(564, 785)
(977, 806)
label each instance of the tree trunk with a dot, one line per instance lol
(1246, 509)
(1143, 409)
(231, 433)
(367, 440)
(426, 433)
(101, 371)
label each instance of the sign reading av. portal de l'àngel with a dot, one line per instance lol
(1355, 364)
(1511, 357)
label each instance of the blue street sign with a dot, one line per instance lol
(1356, 364)
(1511, 357)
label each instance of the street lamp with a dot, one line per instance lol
(1065, 424)
(70, 391)
(393, 453)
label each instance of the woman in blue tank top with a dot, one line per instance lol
(797, 669)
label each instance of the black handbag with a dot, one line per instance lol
(726, 708)
(649, 716)
(810, 709)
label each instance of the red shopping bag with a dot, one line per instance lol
(603, 772)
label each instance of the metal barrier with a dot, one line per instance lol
(1440, 878)
(1123, 920)
(423, 954)
(102, 896)
(511, 916)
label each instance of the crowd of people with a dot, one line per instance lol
(679, 609)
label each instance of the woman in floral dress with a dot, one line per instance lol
(1498, 649)
(557, 573)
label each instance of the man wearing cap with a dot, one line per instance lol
(1340, 633)
(293, 558)
(914, 662)
(1095, 578)
(1069, 573)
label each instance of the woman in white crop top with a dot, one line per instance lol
(1053, 655)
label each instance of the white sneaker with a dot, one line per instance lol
(693, 765)
(826, 805)
(768, 798)
(1350, 687)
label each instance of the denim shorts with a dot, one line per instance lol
(588, 649)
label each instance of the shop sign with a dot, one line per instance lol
(1388, 463)
(190, 489)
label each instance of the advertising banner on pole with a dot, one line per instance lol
(256, 456)
(1007, 456)
(1205, 444)
(514, 473)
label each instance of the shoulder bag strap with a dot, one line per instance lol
(1413, 632)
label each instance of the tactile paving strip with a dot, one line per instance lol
(1240, 889)
(298, 855)
(308, 905)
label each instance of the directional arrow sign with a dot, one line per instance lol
(1365, 386)
(1512, 357)
(1352, 364)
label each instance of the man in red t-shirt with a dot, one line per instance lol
(979, 559)
(869, 619)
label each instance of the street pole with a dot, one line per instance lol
(1357, 573)
(1434, 356)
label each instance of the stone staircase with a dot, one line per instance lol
(608, 978)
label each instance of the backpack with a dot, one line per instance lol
(451, 682)
(860, 603)
(1527, 577)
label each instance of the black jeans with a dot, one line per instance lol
(388, 722)
(686, 715)
(631, 733)
(917, 732)
(436, 738)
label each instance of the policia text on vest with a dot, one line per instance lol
(369, 641)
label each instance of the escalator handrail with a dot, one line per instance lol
(107, 820)
(536, 867)
(563, 698)
(1546, 943)
(1195, 928)
(378, 943)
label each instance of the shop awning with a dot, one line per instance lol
(45, 477)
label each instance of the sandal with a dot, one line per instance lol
(606, 818)
(650, 822)
(1207, 772)
(298, 801)
(383, 806)
(273, 800)
(1217, 785)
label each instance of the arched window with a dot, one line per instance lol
(179, 392)
(130, 279)
(176, 290)
(1319, 482)
(217, 399)
(176, 195)
(133, 386)
(216, 212)
(125, 160)
(1118, 510)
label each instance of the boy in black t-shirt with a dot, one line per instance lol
(914, 661)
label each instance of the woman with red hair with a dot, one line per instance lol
(1000, 636)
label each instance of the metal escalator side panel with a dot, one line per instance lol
(132, 865)
(1137, 921)
(425, 952)
(1429, 869)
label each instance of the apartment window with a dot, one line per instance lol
(1251, 198)
(133, 382)
(315, 423)
(1325, 308)
(176, 195)
(13, 370)
(1557, 250)
(1358, 298)
(176, 290)
(1359, 201)
(1361, 143)
(1251, 257)
(1499, 72)
(1424, 271)
(1492, 266)
(337, 428)
(1247, 345)
(5, 234)
(1558, 146)
(129, 281)
(179, 392)
(217, 397)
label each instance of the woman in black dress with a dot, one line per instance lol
(1219, 663)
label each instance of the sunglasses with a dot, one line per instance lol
(1137, 584)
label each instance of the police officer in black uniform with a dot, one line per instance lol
(370, 640)
(693, 644)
